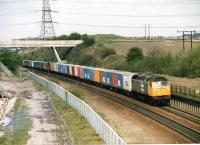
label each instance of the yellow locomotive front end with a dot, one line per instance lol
(160, 90)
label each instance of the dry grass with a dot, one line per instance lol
(172, 46)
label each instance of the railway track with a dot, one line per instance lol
(186, 115)
(189, 127)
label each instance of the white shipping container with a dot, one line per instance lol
(127, 81)
(76, 70)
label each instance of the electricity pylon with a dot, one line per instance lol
(47, 28)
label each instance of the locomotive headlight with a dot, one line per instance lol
(156, 84)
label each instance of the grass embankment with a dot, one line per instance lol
(80, 129)
(16, 133)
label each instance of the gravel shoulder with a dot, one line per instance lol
(132, 126)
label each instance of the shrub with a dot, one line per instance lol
(88, 41)
(103, 52)
(74, 36)
(134, 54)
(11, 59)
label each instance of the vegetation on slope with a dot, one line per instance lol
(184, 65)
(93, 52)
(11, 59)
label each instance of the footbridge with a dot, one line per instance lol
(40, 43)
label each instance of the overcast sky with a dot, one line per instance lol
(21, 18)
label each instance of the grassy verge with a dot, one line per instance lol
(80, 129)
(16, 133)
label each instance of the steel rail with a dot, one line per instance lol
(192, 117)
(173, 124)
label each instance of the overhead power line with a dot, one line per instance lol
(134, 3)
(19, 13)
(18, 24)
(128, 15)
(114, 26)
(94, 25)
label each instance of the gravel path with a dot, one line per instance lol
(47, 127)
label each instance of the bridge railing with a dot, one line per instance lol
(101, 127)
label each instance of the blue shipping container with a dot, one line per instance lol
(107, 78)
(91, 74)
(120, 81)
(62, 68)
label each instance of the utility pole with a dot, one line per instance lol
(191, 32)
(47, 28)
(149, 36)
(183, 37)
(145, 30)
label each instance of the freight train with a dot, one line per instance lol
(150, 88)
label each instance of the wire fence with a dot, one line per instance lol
(101, 127)
(185, 90)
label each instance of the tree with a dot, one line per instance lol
(11, 59)
(88, 41)
(134, 54)
(74, 36)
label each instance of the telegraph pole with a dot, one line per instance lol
(183, 37)
(191, 33)
(145, 30)
(149, 36)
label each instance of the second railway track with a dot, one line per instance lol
(190, 132)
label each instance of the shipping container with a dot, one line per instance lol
(73, 70)
(62, 68)
(115, 80)
(46, 66)
(82, 72)
(88, 73)
(97, 75)
(68, 71)
(76, 70)
(51, 66)
(55, 67)
(79, 71)
(120, 81)
(127, 81)
(91, 74)
(107, 77)
(85, 73)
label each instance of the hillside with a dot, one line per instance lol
(110, 51)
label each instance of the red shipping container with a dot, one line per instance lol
(79, 72)
(47, 66)
(115, 80)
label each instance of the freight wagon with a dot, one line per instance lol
(151, 88)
